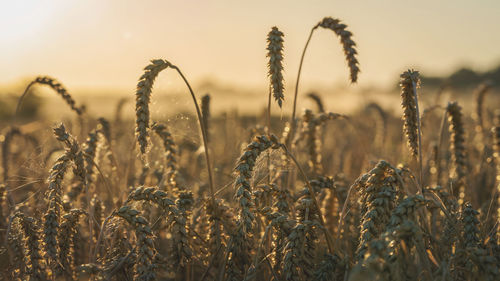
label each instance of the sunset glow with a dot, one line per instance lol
(104, 44)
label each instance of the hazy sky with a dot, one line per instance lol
(105, 44)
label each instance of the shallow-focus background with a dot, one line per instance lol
(97, 49)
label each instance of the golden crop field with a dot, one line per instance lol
(389, 190)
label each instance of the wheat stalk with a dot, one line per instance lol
(310, 129)
(349, 50)
(57, 87)
(380, 124)
(143, 97)
(244, 170)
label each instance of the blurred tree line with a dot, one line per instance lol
(464, 79)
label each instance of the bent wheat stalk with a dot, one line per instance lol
(56, 86)
(349, 50)
(143, 97)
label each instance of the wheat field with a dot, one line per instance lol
(370, 194)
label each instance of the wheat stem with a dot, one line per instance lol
(294, 111)
(203, 133)
(414, 84)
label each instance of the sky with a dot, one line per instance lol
(97, 44)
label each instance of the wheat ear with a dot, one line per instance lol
(348, 44)
(205, 113)
(35, 264)
(170, 152)
(144, 268)
(457, 148)
(410, 81)
(56, 86)
(52, 217)
(66, 237)
(378, 199)
(275, 64)
(143, 99)
(328, 269)
(183, 252)
(15, 243)
(293, 253)
(410, 115)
